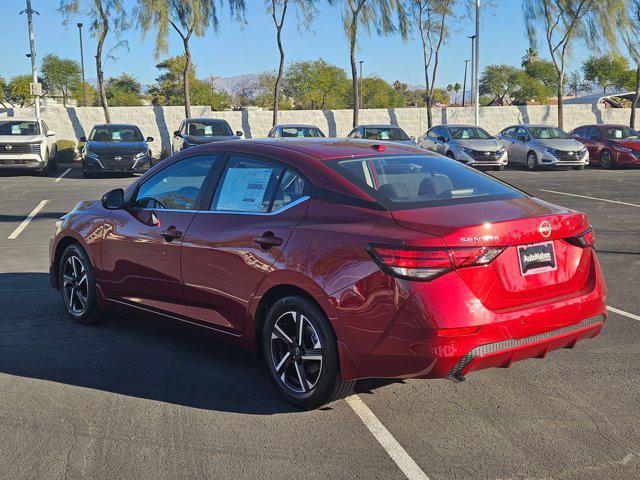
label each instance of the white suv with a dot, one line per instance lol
(26, 143)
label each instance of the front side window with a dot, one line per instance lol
(509, 132)
(247, 185)
(209, 129)
(620, 133)
(547, 133)
(19, 128)
(469, 133)
(432, 133)
(175, 187)
(419, 181)
(115, 133)
(385, 134)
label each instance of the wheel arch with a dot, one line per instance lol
(60, 246)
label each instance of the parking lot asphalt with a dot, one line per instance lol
(141, 398)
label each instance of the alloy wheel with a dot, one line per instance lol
(531, 161)
(296, 351)
(605, 159)
(75, 285)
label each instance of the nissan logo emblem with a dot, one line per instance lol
(120, 158)
(545, 229)
(8, 147)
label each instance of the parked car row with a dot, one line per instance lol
(121, 148)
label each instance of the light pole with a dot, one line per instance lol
(473, 65)
(36, 92)
(476, 113)
(84, 87)
(361, 83)
(464, 84)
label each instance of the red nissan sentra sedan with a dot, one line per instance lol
(337, 260)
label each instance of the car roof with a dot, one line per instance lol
(117, 125)
(18, 119)
(465, 125)
(296, 125)
(379, 125)
(212, 120)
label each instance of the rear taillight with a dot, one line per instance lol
(584, 239)
(426, 263)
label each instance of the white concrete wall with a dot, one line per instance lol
(160, 122)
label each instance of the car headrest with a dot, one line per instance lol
(394, 190)
(435, 185)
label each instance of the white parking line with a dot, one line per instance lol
(62, 175)
(26, 221)
(591, 198)
(399, 455)
(622, 312)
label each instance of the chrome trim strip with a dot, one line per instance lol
(515, 342)
(275, 212)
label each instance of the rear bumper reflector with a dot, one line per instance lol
(492, 348)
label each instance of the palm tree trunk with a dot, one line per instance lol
(100, 73)
(354, 78)
(636, 98)
(185, 78)
(276, 89)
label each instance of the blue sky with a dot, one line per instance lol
(234, 51)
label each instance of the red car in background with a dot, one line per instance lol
(610, 146)
(337, 260)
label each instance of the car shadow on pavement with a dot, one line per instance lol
(138, 356)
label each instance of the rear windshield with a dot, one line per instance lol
(209, 129)
(385, 134)
(113, 133)
(417, 181)
(19, 128)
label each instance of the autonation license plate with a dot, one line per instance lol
(537, 258)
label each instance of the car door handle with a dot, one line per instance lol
(171, 234)
(268, 241)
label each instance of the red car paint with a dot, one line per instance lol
(598, 143)
(466, 319)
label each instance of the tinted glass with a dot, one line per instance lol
(432, 133)
(208, 129)
(292, 187)
(115, 133)
(469, 133)
(509, 132)
(385, 134)
(421, 181)
(19, 128)
(579, 132)
(618, 133)
(175, 187)
(547, 133)
(247, 185)
(301, 132)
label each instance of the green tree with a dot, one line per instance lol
(563, 22)
(366, 14)
(412, 98)
(18, 91)
(124, 91)
(500, 81)
(187, 18)
(92, 95)
(528, 89)
(575, 83)
(605, 70)
(432, 18)
(531, 55)
(60, 75)
(278, 10)
(376, 93)
(542, 70)
(3, 94)
(317, 84)
(105, 15)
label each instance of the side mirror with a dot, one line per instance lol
(83, 139)
(441, 138)
(177, 133)
(149, 139)
(239, 133)
(113, 199)
(412, 138)
(51, 133)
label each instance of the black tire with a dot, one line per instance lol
(532, 161)
(74, 266)
(579, 167)
(499, 168)
(606, 160)
(451, 155)
(282, 349)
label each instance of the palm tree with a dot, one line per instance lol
(187, 18)
(278, 10)
(530, 56)
(367, 14)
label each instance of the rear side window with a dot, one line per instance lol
(418, 181)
